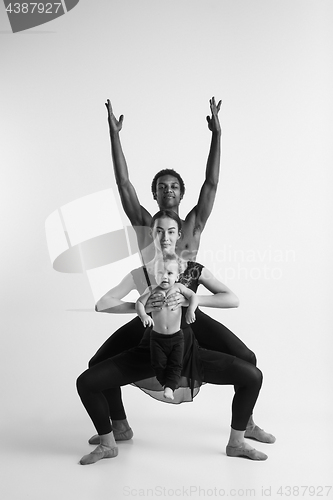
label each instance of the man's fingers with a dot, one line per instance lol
(109, 107)
(213, 107)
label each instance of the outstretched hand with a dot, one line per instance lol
(213, 121)
(114, 124)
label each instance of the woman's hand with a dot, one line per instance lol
(114, 124)
(155, 302)
(176, 300)
(213, 121)
(190, 316)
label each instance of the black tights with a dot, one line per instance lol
(124, 338)
(97, 386)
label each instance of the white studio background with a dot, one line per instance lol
(268, 238)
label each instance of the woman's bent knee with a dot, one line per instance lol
(258, 377)
(254, 377)
(252, 358)
(81, 382)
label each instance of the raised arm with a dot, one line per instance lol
(221, 297)
(202, 210)
(137, 214)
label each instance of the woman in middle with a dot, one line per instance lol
(97, 386)
(212, 335)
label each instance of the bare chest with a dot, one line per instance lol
(167, 321)
(188, 245)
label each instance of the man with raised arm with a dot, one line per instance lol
(168, 190)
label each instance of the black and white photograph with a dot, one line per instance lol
(166, 257)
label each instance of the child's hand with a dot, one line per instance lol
(190, 316)
(147, 320)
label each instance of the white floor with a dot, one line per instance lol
(178, 451)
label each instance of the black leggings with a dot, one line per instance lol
(166, 352)
(98, 381)
(209, 333)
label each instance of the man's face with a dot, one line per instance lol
(168, 193)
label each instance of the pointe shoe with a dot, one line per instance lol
(241, 451)
(254, 432)
(118, 436)
(99, 453)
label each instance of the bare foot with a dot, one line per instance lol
(168, 393)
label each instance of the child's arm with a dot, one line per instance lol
(193, 302)
(140, 309)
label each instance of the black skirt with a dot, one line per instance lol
(137, 359)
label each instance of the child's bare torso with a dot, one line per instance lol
(166, 320)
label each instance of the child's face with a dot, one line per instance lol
(167, 275)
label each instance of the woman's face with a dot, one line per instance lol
(165, 234)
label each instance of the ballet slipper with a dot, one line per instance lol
(118, 436)
(124, 433)
(94, 439)
(242, 451)
(99, 453)
(254, 432)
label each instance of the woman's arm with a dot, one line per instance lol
(222, 295)
(111, 302)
